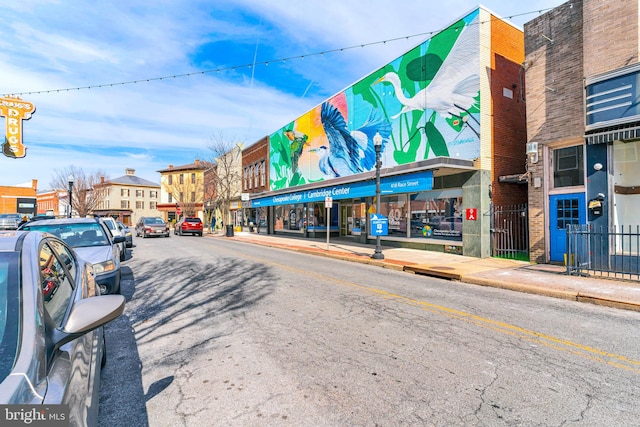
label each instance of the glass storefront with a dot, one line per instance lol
(433, 214)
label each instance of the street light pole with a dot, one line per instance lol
(70, 179)
(377, 142)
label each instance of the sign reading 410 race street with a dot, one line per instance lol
(14, 110)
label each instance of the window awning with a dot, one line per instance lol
(617, 133)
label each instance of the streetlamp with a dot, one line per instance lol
(70, 179)
(377, 142)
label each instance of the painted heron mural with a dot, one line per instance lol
(424, 104)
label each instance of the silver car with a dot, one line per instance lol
(90, 239)
(10, 221)
(51, 327)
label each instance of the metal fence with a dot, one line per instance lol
(510, 232)
(604, 251)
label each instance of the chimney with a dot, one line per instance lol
(197, 163)
(170, 166)
(102, 180)
(34, 184)
(129, 171)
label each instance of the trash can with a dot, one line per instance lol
(229, 230)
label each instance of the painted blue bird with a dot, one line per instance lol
(349, 152)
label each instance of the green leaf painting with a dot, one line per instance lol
(423, 104)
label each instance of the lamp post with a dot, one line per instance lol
(70, 179)
(377, 142)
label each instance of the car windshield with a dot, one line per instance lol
(150, 221)
(9, 311)
(192, 219)
(78, 235)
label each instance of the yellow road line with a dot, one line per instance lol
(591, 353)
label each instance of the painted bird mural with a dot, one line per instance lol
(456, 84)
(349, 152)
(298, 141)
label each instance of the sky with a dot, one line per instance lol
(143, 85)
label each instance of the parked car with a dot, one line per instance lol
(112, 225)
(52, 344)
(151, 226)
(126, 232)
(91, 240)
(10, 221)
(188, 225)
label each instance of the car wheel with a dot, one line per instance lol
(123, 255)
(200, 234)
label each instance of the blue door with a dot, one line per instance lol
(564, 209)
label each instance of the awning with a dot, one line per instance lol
(618, 133)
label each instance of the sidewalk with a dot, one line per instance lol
(541, 279)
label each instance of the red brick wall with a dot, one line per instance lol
(509, 125)
(253, 155)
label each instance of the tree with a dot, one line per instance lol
(87, 191)
(227, 173)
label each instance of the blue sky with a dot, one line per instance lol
(46, 45)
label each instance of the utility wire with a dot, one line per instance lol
(254, 64)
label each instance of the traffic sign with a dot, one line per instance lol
(379, 225)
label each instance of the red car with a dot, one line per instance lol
(188, 226)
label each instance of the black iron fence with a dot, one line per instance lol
(604, 251)
(510, 232)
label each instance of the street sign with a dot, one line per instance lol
(178, 211)
(328, 202)
(472, 214)
(379, 225)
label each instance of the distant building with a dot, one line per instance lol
(129, 197)
(183, 190)
(19, 199)
(52, 202)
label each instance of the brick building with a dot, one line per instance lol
(583, 121)
(447, 159)
(255, 181)
(19, 199)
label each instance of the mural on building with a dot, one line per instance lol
(424, 104)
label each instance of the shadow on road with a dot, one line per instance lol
(178, 307)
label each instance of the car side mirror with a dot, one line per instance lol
(119, 239)
(88, 314)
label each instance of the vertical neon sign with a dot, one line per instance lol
(14, 110)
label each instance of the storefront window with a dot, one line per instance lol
(436, 215)
(626, 164)
(395, 209)
(317, 215)
(290, 217)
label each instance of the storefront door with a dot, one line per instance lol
(564, 209)
(346, 220)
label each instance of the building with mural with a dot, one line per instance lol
(583, 119)
(451, 119)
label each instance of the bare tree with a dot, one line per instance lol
(227, 174)
(87, 191)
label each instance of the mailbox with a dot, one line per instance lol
(595, 205)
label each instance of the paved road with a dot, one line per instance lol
(218, 332)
